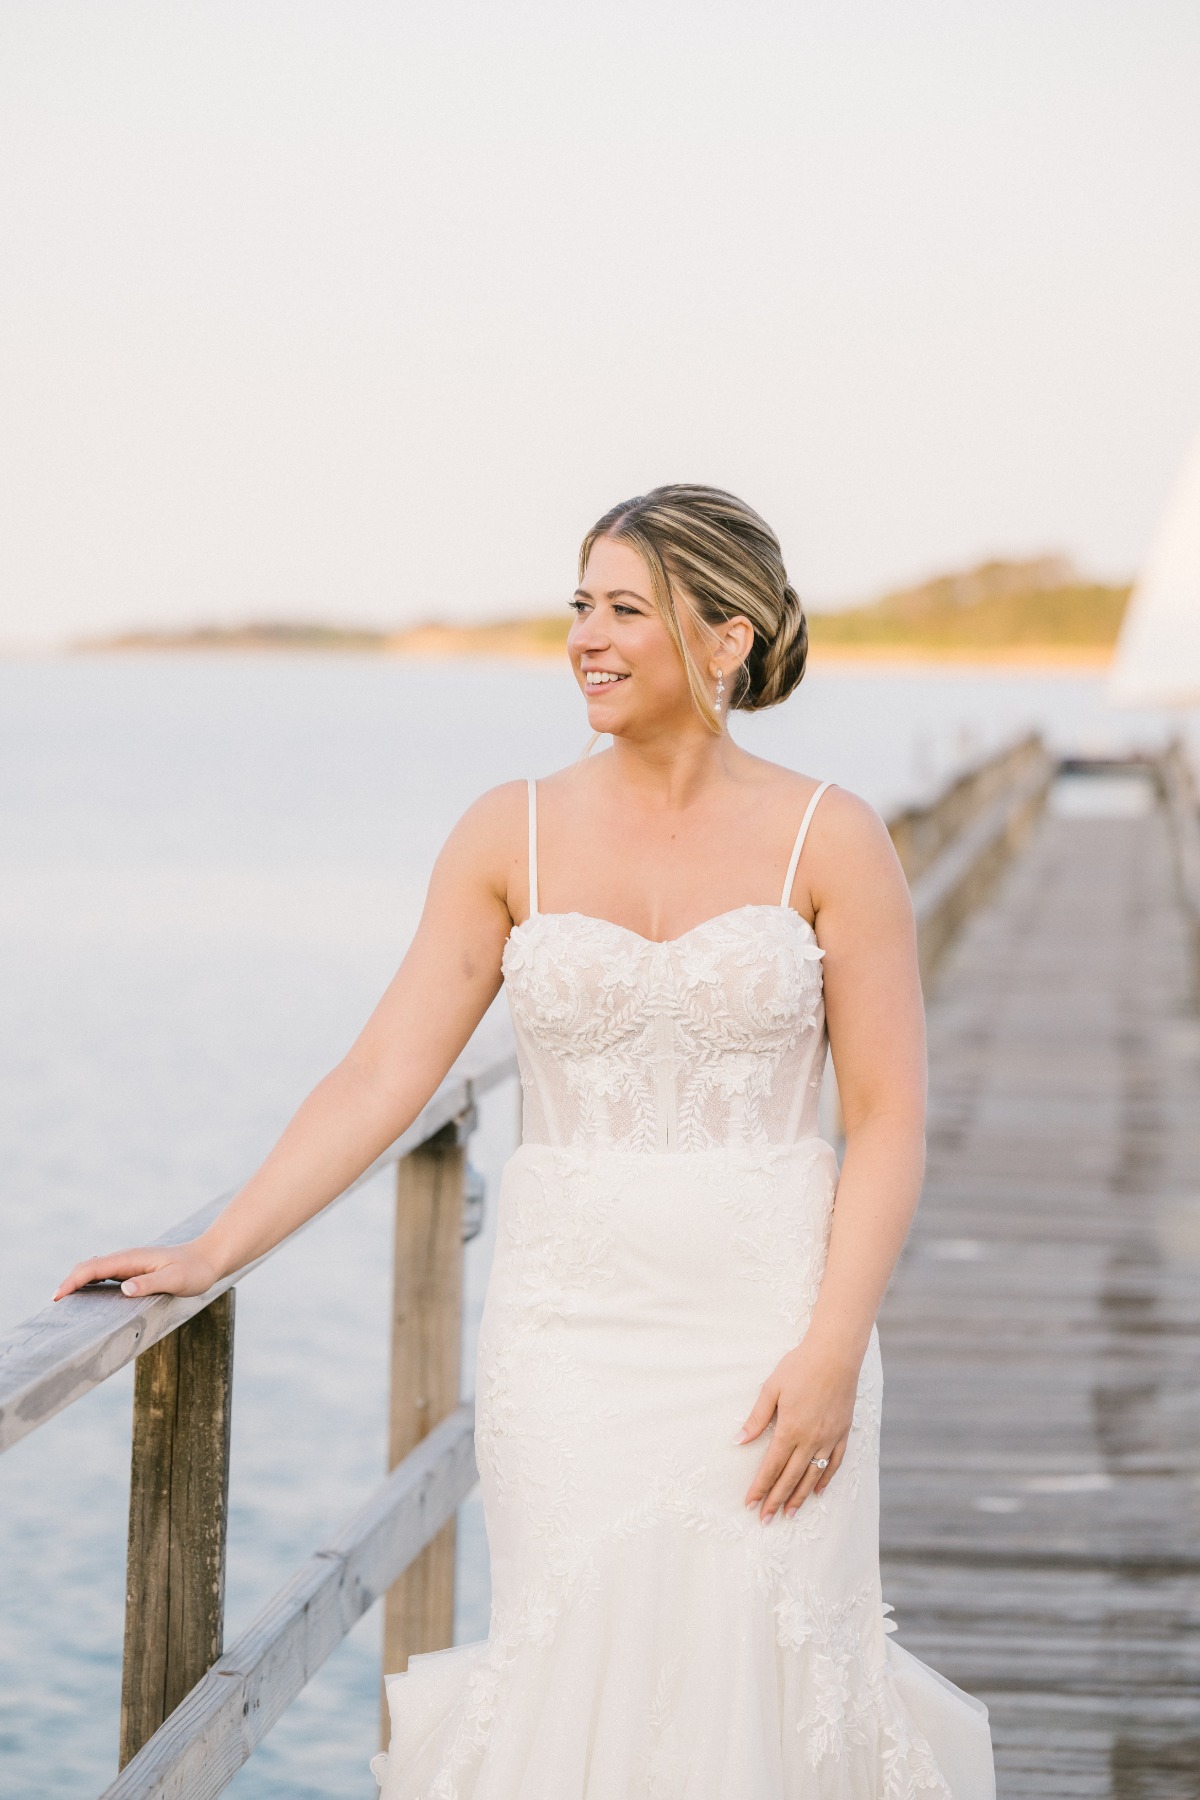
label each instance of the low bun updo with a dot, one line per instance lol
(776, 666)
(712, 557)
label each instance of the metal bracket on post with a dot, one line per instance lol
(466, 1122)
(474, 1201)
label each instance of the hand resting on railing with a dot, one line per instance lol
(157, 1269)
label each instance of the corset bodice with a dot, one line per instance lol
(712, 1040)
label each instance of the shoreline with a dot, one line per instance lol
(1017, 659)
(1026, 614)
(1050, 658)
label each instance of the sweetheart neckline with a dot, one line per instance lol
(666, 943)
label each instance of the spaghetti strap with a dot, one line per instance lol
(533, 893)
(798, 846)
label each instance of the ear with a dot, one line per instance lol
(733, 643)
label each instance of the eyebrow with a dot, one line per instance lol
(615, 594)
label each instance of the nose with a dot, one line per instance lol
(587, 635)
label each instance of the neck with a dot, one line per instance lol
(672, 770)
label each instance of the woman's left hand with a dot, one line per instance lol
(810, 1395)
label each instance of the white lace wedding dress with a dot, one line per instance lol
(660, 1240)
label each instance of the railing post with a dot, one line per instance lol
(178, 1507)
(425, 1373)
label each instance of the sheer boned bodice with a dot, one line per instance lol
(712, 1040)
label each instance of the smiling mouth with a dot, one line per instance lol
(595, 679)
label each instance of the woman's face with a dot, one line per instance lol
(623, 656)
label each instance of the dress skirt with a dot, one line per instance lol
(649, 1638)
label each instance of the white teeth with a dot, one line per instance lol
(598, 677)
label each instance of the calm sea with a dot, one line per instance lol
(208, 870)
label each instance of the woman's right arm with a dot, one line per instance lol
(437, 997)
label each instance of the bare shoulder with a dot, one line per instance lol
(496, 813)
(848, 822)
(488, 842)
(849, 854)
(847, 848)
(843, 820)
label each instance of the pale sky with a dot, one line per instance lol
(334, 309)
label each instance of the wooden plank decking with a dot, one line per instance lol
(1041, 1457)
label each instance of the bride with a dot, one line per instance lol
(679, 1379)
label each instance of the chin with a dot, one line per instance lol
(602, 705)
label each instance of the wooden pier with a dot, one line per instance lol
(1041, 1459)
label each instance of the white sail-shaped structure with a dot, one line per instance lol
(1158, 653)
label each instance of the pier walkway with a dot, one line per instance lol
(1041, 1456)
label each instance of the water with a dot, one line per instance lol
(208, 870)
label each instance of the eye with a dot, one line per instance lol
(628, 612)
(577, 606)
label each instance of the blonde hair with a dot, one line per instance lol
(711, 556)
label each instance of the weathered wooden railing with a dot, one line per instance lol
(192, 1711)
(952, 850)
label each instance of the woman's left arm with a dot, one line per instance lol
(876, 1022)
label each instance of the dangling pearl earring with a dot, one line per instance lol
(720, 690)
